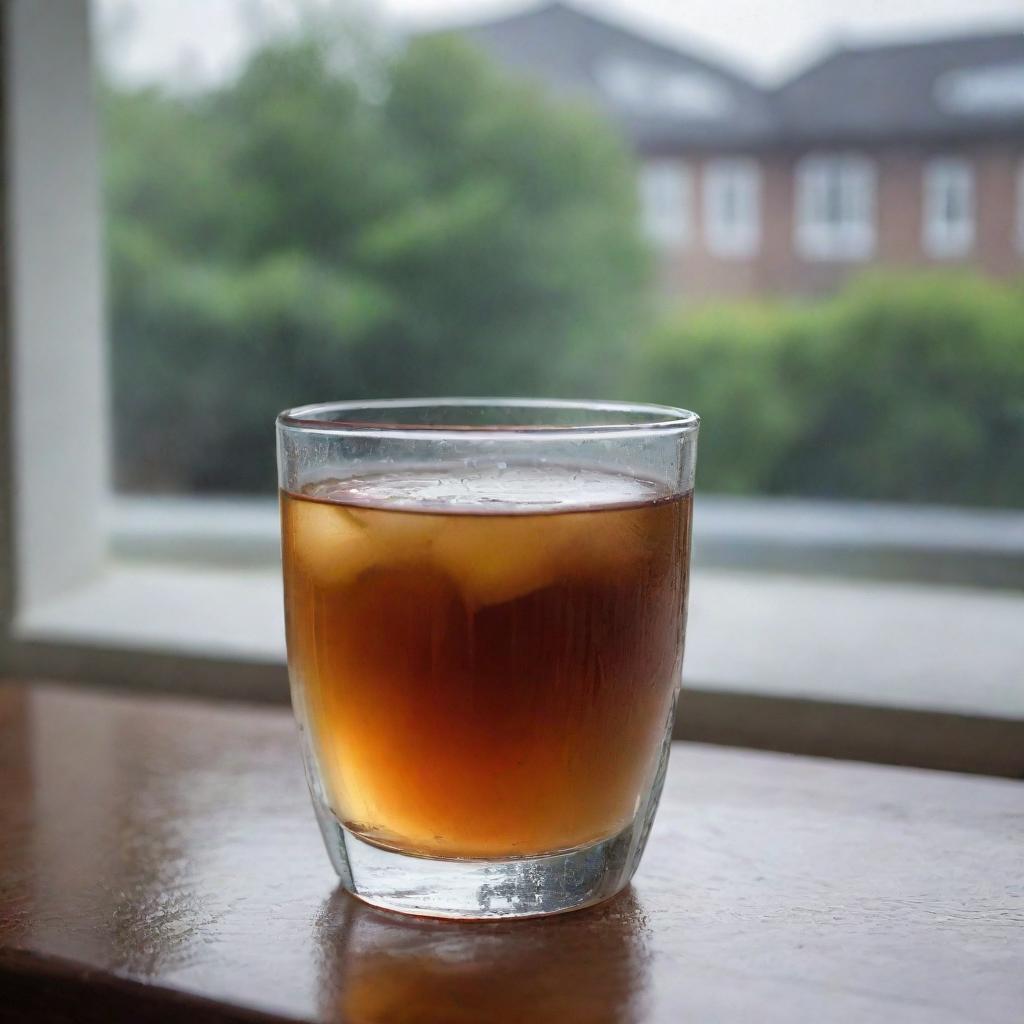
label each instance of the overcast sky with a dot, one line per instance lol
(204, 38)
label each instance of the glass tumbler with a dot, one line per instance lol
(485, 603)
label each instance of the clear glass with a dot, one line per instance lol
(485, 604)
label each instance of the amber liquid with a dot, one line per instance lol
(479, 682)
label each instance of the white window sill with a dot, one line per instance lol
(949, 649)
(813, 255)
(222, 612)
(950, 253)
(732, 255)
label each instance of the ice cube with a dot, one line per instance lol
(399, 535)
(499, 558)
(336, 543)
(613, 542)
(327, 542)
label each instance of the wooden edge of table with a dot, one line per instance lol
(160, 864)
(52, 990)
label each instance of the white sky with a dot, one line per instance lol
(203, 39)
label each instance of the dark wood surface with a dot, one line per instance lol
(160, 862)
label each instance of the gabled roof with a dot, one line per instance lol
(667, 98)
(662, 96)
(934, 88)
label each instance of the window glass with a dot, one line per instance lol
(665, 195)
(326, 200)
(836, 207)
(1020, 207)
(732, 207)
(948, 208)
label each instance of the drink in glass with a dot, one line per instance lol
(485, 635)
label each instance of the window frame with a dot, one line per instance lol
(674, 232)
(820, 177)
(736, 240)
(940, 238)
(52, 360)
(1019, 220)
(54, 431)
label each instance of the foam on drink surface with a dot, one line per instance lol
(490, 490)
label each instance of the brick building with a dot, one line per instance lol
(907, 154)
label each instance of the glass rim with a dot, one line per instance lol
(341, 419)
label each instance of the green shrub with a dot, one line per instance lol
(726, 363)
(904, 387)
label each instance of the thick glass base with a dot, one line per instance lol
(526, 887)
(489, 889)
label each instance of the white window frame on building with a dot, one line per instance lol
(947, 214)
(1019, 224)
(835, 207)
(732, 207)
(666, 202)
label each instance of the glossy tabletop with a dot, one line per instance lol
(159, 861)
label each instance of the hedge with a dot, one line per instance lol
(904, 387)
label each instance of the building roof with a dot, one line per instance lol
(966, 85)
(666, 98)
(662, 96)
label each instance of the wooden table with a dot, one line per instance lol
(159, 862)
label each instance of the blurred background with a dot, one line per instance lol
(805, 221)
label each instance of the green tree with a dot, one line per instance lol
(297, 236)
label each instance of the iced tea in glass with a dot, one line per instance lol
(485, 633)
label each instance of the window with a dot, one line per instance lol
(254, 263)
(993, 91)
(835, 207)
(732, 208)
(654, 89)
(947, 224)
(1020, 208)
(666, 199)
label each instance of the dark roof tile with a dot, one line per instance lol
(933, 88)
(660, 95)
(668, 99)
